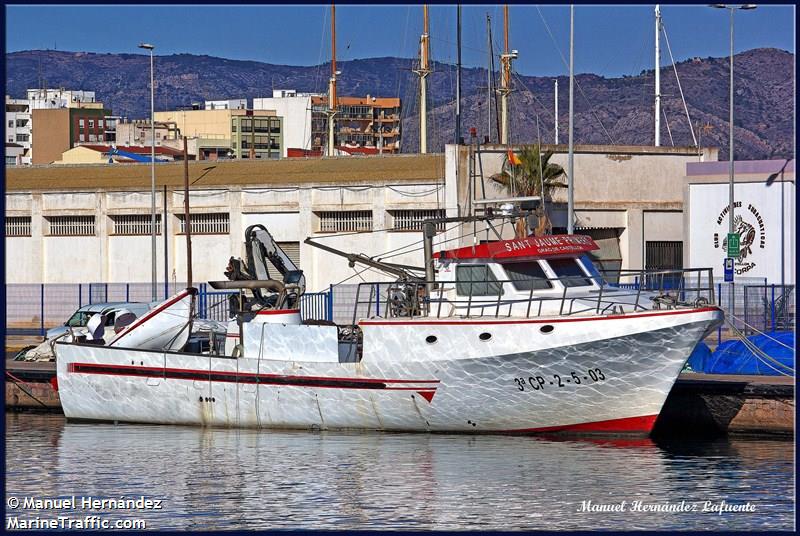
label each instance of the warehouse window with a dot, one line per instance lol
(18, 226)
(206, 223)
(665, 257)
(347, 220)
(411, 220)
(134, 224)
(70, 226)
(292, 250)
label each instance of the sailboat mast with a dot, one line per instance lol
(489, 70)
(555, 111)
(423, 72)
(658, 79)
(458, 75)
(505, 80)
(571, 157)
(332, 83)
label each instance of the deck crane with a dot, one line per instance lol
(254, 275)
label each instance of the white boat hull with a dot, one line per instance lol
(614, 380)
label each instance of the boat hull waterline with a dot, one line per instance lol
(616, 384)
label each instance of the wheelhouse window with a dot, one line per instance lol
(569, 272)
(477, 280)
(527, 276)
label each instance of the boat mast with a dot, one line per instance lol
(571, 157)
(489, 75)
(332, 83)
(423, 72)
(555, 112)
(505, 79)
(186, 215)
(458, 75)
(658, 79)
(493, 83)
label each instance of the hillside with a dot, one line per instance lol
(607, 110)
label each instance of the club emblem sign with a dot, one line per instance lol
(749, 236)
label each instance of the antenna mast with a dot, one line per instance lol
(423, 71)
(332, 83)
(658, 79)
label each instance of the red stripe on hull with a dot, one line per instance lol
(628, 425)
(203, 375)
(278, 312)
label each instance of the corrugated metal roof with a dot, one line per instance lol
(424, 169)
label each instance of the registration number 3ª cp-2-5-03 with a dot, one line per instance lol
(538, 383)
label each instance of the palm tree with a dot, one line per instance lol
(533, 175)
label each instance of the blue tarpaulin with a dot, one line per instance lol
(733, 357)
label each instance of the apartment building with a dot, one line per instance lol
(363, 125)
(18, 131)
(295, 109)
(233, 104)
(59, 98)
(229, 132)
(20, 121)
(58, 130)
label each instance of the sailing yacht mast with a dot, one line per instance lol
(423, 72)
(571, 157)
(505, 79)
(458, 75)
(332, 83)
(489, 75)
(658, 79)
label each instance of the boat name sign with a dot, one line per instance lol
(542, 245)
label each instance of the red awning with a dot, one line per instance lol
(532, 246)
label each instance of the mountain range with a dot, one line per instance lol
(616, 111)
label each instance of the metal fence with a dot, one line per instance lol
(768, 308)
(32, 309)
(751, 304)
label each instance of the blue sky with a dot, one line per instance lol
(609, 40)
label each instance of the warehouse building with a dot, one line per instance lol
(91, 223)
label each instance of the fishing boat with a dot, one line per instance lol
(509, 336)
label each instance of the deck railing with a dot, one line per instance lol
(639, 290)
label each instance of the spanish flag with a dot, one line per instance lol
(513, 159)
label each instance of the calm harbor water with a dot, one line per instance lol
(225, 479)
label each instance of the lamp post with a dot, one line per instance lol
(731, 8)
(150, 47)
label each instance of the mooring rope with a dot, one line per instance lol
(17, 382)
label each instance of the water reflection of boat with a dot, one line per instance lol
(511, 336)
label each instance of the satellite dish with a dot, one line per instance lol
(124, 319)
(96, 327)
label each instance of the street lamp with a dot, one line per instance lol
(731, 8)
(150, 47)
